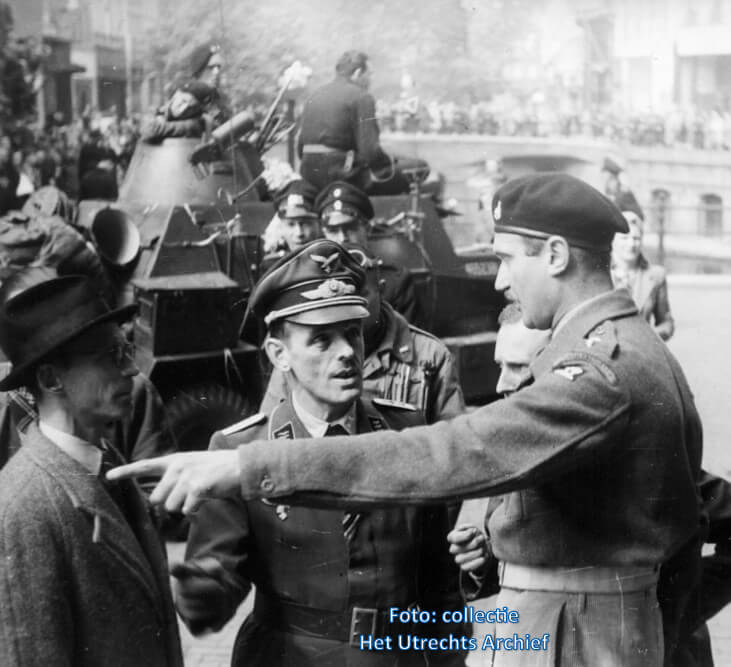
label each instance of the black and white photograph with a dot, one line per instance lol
(365, 334)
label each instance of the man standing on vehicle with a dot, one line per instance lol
(600, 455)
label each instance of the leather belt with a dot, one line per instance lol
(346, 626)
(613, 580)
(321, 148)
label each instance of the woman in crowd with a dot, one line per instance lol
(646, 282)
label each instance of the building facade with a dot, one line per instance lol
(95, 59)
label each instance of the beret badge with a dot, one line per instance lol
(498, 212)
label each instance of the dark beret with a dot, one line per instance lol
(200, 57)
(318, 284)
(341, 203)
(296, 200)
(552, 203)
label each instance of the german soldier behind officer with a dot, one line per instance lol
(323, 577)
(346, 213)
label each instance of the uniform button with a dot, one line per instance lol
(267, 485)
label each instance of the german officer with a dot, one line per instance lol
(346, 213)
(600, 455)
(402, 363)
(322, 577)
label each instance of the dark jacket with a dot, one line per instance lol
(342, 115)
(299, 557)
(600, 455)
(79, 584)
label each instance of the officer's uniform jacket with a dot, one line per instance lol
(298, 556)
(600, 455)
(81, 583)
(408, 366)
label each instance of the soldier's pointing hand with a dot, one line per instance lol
(187, 478)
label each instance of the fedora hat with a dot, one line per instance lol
(40, 319)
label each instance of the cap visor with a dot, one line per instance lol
(336, 219)
(329, 315)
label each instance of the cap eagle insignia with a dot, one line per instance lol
(327, 264)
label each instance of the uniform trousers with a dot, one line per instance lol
(586, 629)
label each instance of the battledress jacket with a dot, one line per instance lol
(80, 585)
(599, 457)
(299, 557)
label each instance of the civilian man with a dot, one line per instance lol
(83, 577)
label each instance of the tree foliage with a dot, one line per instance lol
(438, 43)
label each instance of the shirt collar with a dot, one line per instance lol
(81, 451)
(316, 427)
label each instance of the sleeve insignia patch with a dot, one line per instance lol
(569, 372)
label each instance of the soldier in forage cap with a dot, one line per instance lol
(295, 223)
(598, 459)
(323, 577)
(346, 213)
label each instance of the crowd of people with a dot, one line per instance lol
(62, 154)
(337, 501)
(691, 128)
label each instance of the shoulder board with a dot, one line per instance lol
(421, 332)
(388, 403)
(258, 418)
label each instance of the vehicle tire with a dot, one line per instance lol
(196, 412)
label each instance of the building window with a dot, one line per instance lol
(711, 215)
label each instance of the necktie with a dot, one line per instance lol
(350, 519)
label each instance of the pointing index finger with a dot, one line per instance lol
(148, 467)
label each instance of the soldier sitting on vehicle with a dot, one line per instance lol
(339, 136)
(345, 214)
(196, 104)
(323, 577)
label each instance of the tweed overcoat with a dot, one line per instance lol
(79, 584)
